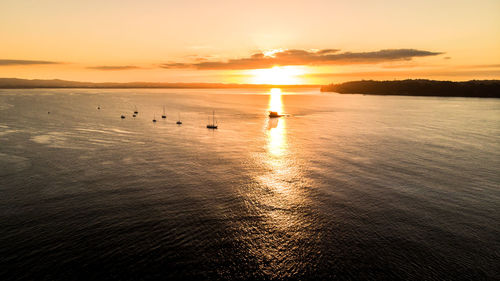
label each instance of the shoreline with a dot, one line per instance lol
(420, 87)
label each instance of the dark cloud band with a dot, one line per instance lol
(304, 57)
(25, 62)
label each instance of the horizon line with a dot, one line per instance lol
(21, 83)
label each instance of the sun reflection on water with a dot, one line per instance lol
(281, 198)
(276, 133)
(277, 145)
(275, 100)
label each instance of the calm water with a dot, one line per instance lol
(344, 187)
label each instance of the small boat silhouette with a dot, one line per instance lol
(274, 114)
(164, 115)
(122, 117)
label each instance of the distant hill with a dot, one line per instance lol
(15, 83)
(473, 88)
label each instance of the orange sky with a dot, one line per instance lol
(241, 41)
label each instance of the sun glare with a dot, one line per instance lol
(278, 75)
(275, 103)
(271, 53)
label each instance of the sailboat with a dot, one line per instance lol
(122, 117)
(214, 124)
(164, 115)
(179, 121)
(135, 110)
(154, 118)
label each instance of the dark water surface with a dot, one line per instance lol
(346, 187)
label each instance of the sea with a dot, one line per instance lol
(341, 187)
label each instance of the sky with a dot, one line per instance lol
(233, 41)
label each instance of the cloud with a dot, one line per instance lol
(4, 62)
(113, 67)
(327, 51)
(304, 57)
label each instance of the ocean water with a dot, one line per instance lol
(344, 187)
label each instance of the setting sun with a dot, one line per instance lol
(277, 75)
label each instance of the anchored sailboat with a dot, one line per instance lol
(212, 125)
(179, 121)
(164, 114)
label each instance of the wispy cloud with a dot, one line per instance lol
(305, 57)
(114, 67)
(4, 62)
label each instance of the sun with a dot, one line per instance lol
(277, 75)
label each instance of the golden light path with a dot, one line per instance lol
(278, 154)
(281, 197)
(276, 127)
